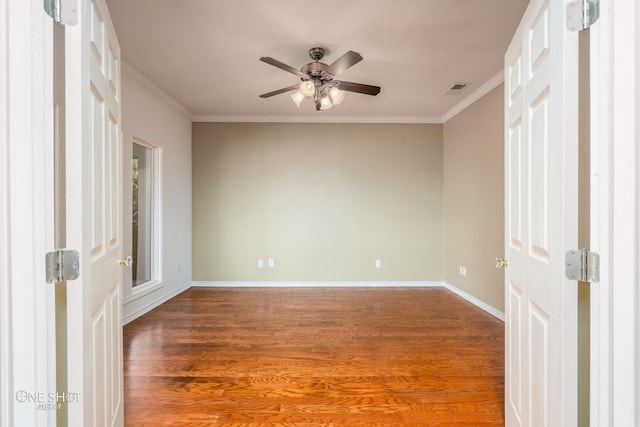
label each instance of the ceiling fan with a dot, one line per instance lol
(318, 81)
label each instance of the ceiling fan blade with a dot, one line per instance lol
(358, 87)
(345, 61)
(282, 66)
(279, 91)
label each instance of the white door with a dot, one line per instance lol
(94, 217)
(541, 212)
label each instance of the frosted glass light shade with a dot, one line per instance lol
(307, 88)
(325, 103)
(297, 97)
(337, 95)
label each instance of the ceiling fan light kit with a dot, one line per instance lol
(307, 88)
(318, 83)
(297, 97)
(337, 96)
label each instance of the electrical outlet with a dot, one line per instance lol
(272, 262)
(463, 271)
(378, 263)
(260, 263)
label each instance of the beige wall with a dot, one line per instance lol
(324, 200)
(474, 198)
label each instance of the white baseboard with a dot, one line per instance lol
(153, 304)
(473, 300)
(358, 284)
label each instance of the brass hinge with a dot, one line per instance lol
(582, 265)
(581, 14)
(62, 265)
(64, 12)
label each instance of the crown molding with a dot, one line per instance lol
(144, 80)
(487, 87)
(491, 84)
(318, 119)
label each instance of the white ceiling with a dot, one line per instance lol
(204, 53)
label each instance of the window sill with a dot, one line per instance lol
(143, 290)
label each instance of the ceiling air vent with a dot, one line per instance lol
(456, 89)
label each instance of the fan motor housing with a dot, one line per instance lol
(314, 69)
(316, 53)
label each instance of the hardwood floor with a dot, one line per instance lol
(314, 357)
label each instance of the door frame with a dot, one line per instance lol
(27, 302)
(615, 214)
(25, 311)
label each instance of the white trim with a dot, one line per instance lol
(470, 298)
(600, 352)
(26, 148)
(476, 301)
(293, 284)
(296, 284)
(615, 215)
(143, 290)
(153, 304)
(157, 210)
(487, 87)
(154, 88)
(318, 119)
(6, 370)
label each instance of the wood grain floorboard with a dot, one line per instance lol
(254, 357)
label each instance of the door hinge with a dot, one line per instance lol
(581, 14)
(62, 265)
(64, 12)
(582, 265)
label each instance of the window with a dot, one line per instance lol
(144, 250)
